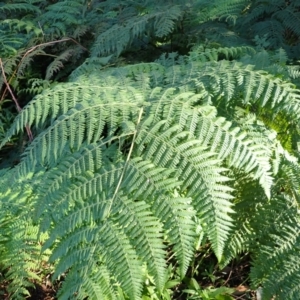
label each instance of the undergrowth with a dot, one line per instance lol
(149, 150)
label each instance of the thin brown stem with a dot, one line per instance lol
(31, 50)
(18, 107)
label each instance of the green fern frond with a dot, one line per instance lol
(20, 25)
(90, 158)
(176, 214)
(214, 54)
(27, 7)
(21, 255)
(134, 157)
(36, 86)
(59, 103)
(229, 10)
(121, 259)
(289, 18)
(248, 221)
(97, 285)
(20, 245)
(171, 149)
(48, 146)
(259, 9)
(145, 234)
(57, 63)
(272, 30)
(278, 254)
(233, 145)
(119, 37)
(119, 256)
(275, 22)
(62, 17)
(289, 181)
(240, 84)
(130, 166)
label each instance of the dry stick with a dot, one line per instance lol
(229, 276)
(32, 49)
(7, 87)
(29, 133)
(52, 43)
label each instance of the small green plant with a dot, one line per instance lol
(151, 292)
(195, 292)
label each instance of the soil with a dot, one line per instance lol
(42, 292)
(39, 292)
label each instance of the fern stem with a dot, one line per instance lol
(126, 162)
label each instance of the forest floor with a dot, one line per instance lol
(235, 276)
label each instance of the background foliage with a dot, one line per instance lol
(137, 136)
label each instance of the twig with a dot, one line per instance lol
(18, 107)
(52, 43)
(35, 47)
(230, 273)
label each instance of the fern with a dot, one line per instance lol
(20, 245)
(119, 37)
(128, 162)
(11, 7)
(276, 20)
(57, 64)
(279, 247)
(136, 164)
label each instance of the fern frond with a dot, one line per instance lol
(230, 10)
(110, 113)
(145, 234)
(231, 80)
(10, 7)
(90, 158)
(259, 9)
(278, 254)
(20, 25)
(289, 17)
(233, 145)
(128, 160)
(200, 54)
(169, 148)
(22, 252)
(119, 37)
(62, 17)
(178, 217)
(272, 30)
(36, 86)
(97, 285)
(122, 260)
(20, 245)
(248, 221)
(57, 63)
(111, 246)
(275, 22)
(64, 99)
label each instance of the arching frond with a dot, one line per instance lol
(120, 36)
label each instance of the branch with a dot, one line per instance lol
(29, 133)
(35, 47)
